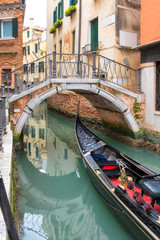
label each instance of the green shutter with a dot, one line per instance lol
(94, 34)
(36, 48)
(28, 50)
(0, 28)
(15, 27)
(62, 8)
(56, 13)
(59, 10)
(32, 67)
(73, 42)
(32, 132)
(41, 67)
(37, 152)
(73, 2)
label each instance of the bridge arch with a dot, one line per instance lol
(97, 96)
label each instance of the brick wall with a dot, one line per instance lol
(11, 52)
(69, 102)
(10, 1)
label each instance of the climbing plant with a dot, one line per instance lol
(137, 109)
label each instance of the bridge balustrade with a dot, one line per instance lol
(63, 65)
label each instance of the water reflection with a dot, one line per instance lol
(56, 198)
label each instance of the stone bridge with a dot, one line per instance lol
(110, 87)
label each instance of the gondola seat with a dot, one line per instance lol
(152, 188)
(110, 168)
(97, 157)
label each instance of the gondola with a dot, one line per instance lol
(123, 184)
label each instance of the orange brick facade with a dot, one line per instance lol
(11, 50)
(150, 21)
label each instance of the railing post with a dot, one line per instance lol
(139, 81)
(1, 124)
(94, 65)
(7, 214)
(3, 104)
(80, 69)
(54, 65)
(50, 69)
(15, 84)
(2, 86)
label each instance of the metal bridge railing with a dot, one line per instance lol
(117, 73)
(58, 65)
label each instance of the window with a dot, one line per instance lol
(37, 152)
(32, 67)
(29, 149)
(41, 67)
(60, 10)
(33, 132)
(8, 28)
(60, 48)
(55, 16)
(94, 34)
(73, 2)
(27, 34)
(65, 154)
(26, 130)
(25, 68)
(28, 50)
(41, 133)
(73, 42)
(36, 47)
(24, 51)
(54, 143)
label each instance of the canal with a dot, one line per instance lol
(56, 198)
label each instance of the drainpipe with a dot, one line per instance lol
(79, 35)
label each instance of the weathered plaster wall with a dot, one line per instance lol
(148, 79)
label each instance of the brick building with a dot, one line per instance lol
(11, 29)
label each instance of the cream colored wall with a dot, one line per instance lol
(31, 41)
(64, 33)
(50, 7)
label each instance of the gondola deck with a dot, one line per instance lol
(133, 194)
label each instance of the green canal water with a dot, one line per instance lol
(56, 198)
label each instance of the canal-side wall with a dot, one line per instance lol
(5, 168)
(66, 102)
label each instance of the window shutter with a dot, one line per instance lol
(42, 66)
(56, 13)
(36, 48)
(28, 50)
(32, 67)
(0, 28)
(59, 10)
(39, 67)
(62, 8)
(15, 27)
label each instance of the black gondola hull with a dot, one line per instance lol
(125, 208)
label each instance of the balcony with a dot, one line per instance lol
(89, 48)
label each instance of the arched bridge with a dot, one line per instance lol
(102, 81)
